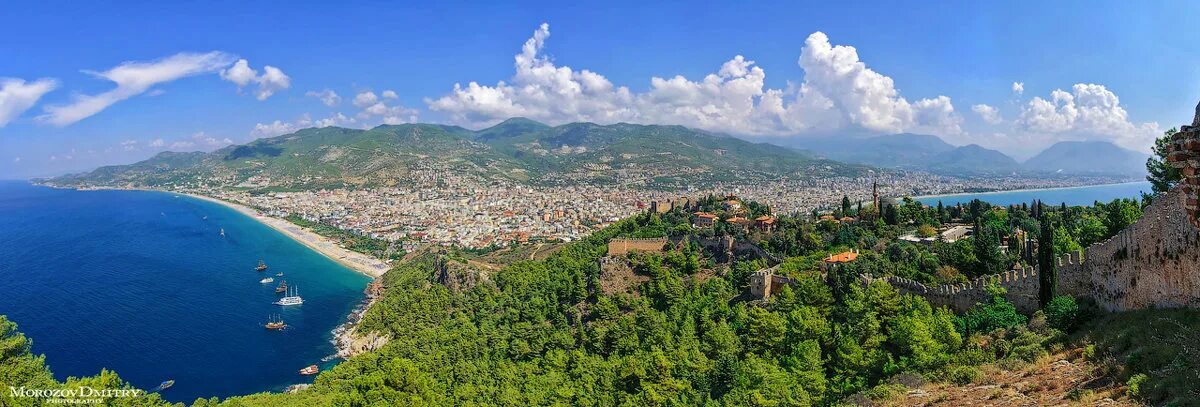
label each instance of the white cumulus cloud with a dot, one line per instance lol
(838, 91)
(989, 114)
(17, 96)
(280, 127)
(272, 80)
(390, 94)
(365, 98)
(134, 78)
(328, 97)
(1089, 111)
(1018, 87)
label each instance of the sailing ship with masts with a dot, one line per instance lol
(291, 298)
(261, 266)
(275, 323)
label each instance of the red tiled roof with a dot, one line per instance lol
(843, 257)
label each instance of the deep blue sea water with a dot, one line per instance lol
(1073, 196)
(144, 284)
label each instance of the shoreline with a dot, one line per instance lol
(919, 197)
(353, 260)
(346, 339)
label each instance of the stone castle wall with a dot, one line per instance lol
(622, 246)
(1154, 263)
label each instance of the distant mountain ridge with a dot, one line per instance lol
(931, 153)
(1087, 157)
(518, 149)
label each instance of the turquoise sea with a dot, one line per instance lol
(1073, 196)
(144, 284)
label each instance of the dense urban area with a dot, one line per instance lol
(452, 209)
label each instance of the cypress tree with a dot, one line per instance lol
(1047, 269)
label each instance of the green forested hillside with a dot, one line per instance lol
(546, 332)
(542, 333)
(518, 149)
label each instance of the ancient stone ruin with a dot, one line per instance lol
(623, 245)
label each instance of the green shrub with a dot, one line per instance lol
(1063, 313)
(1089, 352)
(1135, 385)
(1028, 353)
(962, 375)
(998, 313)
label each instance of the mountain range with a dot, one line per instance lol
(526, 151)
(930, 153)
(518, 149)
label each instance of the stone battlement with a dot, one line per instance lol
(1153, 263)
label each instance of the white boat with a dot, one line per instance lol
(267, 280)
(292, 298)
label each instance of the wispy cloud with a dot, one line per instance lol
(17, 96)
(134, 78)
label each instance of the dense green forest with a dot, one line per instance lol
(540, 332)
(543, 332)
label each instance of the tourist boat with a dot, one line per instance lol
(267, 280)
(310, 370)
(279, 274)
(292, 298)
(222, 232)
(163, 386)
(282, 287)
(261, 266)
(275, 324)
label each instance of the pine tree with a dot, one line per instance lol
(1047, 269)
(1162, 175)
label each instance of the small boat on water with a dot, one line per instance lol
(163, 386)
(261, 266)
(282, 288)
(279, 274)
(222, 232)
(275, 323)
(310, 370)
(267, 280)
(292, 298)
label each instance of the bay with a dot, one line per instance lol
(143, 283)
(1073, 196)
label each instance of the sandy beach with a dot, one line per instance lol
(354, 260)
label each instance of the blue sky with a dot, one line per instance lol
(1120, 71)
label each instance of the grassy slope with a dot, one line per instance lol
(1164, 345)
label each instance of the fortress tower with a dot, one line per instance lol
(1184, 154)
